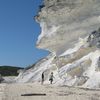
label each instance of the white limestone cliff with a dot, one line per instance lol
(70, 31)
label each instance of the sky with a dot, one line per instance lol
(19, 32)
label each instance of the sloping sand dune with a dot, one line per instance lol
(14, 92)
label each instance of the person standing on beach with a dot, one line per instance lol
(42, 76)
(51, 78)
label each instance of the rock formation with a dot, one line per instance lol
(70, 31)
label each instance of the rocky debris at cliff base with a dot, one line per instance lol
(9, 79)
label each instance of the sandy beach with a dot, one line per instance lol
(18, 92)
(2, 91)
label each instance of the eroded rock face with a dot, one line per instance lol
(70, 30)
(64, 21)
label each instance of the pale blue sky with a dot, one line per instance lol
(19, 32)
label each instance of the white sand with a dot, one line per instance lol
(14, 91)
(2, 91)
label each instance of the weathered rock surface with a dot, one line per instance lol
(70, 31)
